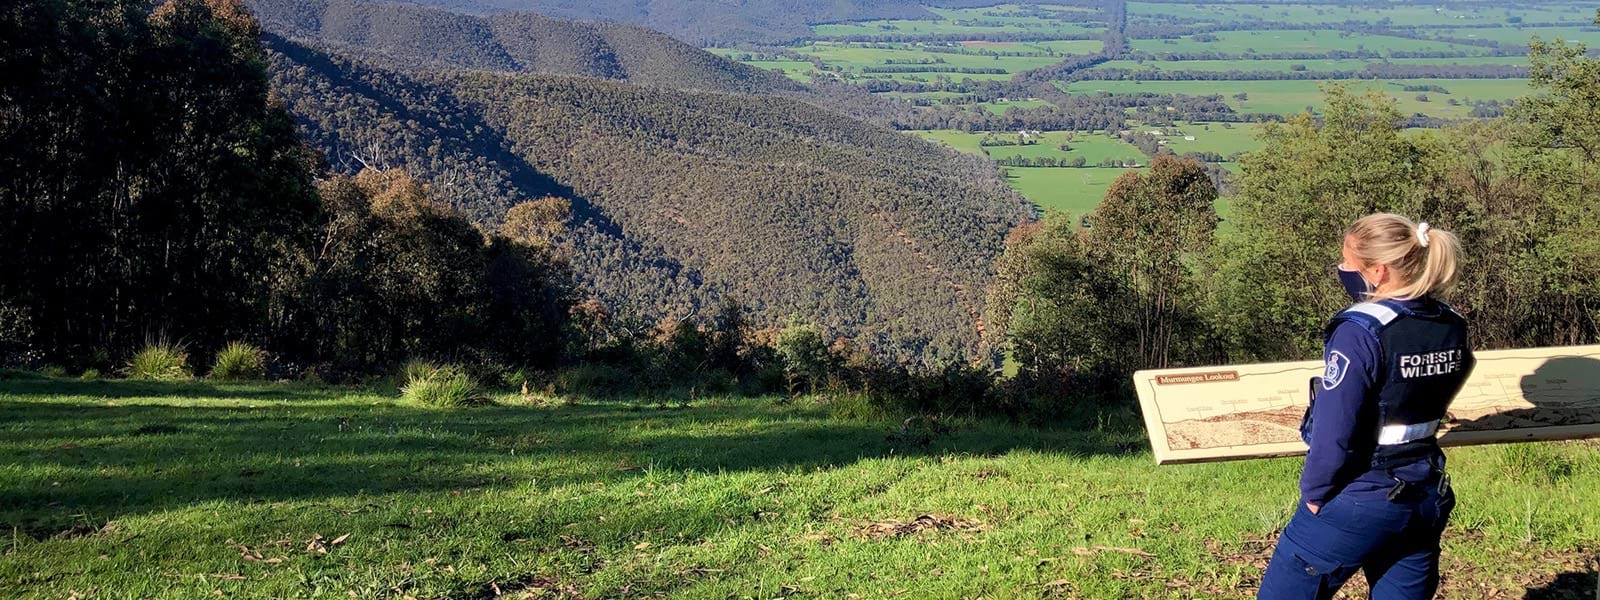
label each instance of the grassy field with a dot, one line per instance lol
(1073, 190)
(853, 59)
(122, 490)
(969, 21)
(856, 56)
(923, 60)
(1344, 64)
(1590, 36)
(1212, 137)
(1285, 97)
(1486, 14)
(960, 140)
(1289, 40)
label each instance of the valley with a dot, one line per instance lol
(1197, 77)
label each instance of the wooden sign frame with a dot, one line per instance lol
(1239, 412)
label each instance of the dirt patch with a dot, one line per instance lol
(1528, 574)
(929, 522)
(528, 586)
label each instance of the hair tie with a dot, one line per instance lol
(1422, 234)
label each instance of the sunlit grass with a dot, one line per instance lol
(149, 489)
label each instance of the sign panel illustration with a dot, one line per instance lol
(1253, 411)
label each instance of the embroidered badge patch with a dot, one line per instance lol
(1338, 365)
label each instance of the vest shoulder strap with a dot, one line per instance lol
(1372, 316)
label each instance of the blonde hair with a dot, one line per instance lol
(1423, 259)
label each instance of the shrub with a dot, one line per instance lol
(240, 361)
(53, 371)
(160, 361)
(594, 379)
(804, 352)
(447, 386)
(89, 375)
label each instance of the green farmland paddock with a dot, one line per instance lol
(1274, 41)
(1287, 65)
(1288, 97)
(1480, 14)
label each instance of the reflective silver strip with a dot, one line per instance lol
(1377, 311)
(1399, 434)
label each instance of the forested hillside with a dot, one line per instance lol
(404, 35)
(704, 21)
(682, 198)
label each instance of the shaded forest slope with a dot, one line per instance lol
(405, 37)
(682, 198)
(704, 21)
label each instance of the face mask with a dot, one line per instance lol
(1354, 284)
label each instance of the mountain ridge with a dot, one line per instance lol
(683, 198)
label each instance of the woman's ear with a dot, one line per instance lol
(1380, 276)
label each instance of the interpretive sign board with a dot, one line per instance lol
(1254, 411)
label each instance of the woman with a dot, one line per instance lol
(1374, 495)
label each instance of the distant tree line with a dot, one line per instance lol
(976, 36)
(1077, 112)
(1370, 71)
(933, 68)
(1058, 162)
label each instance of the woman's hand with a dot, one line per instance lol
(1313, 508)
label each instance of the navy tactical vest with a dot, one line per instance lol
(1424, 360)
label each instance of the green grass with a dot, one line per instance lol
(1291, 40)
(854, 58)
(965, 21)
(154, 490)
(1285, 97)
(1590, 36)
(1285, 66)
(959, 140)
(1074, 190)
(1427, 14)
(1213, 137)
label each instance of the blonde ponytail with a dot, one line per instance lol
(1423, 259)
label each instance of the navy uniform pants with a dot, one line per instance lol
(1395, 543)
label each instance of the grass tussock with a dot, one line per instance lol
(160, 361)
(240, 361)
(441, 386)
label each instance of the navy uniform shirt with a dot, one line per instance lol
(1344, 418)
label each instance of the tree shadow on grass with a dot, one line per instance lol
(1567, 586)
(41, 387)
(69, 460)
